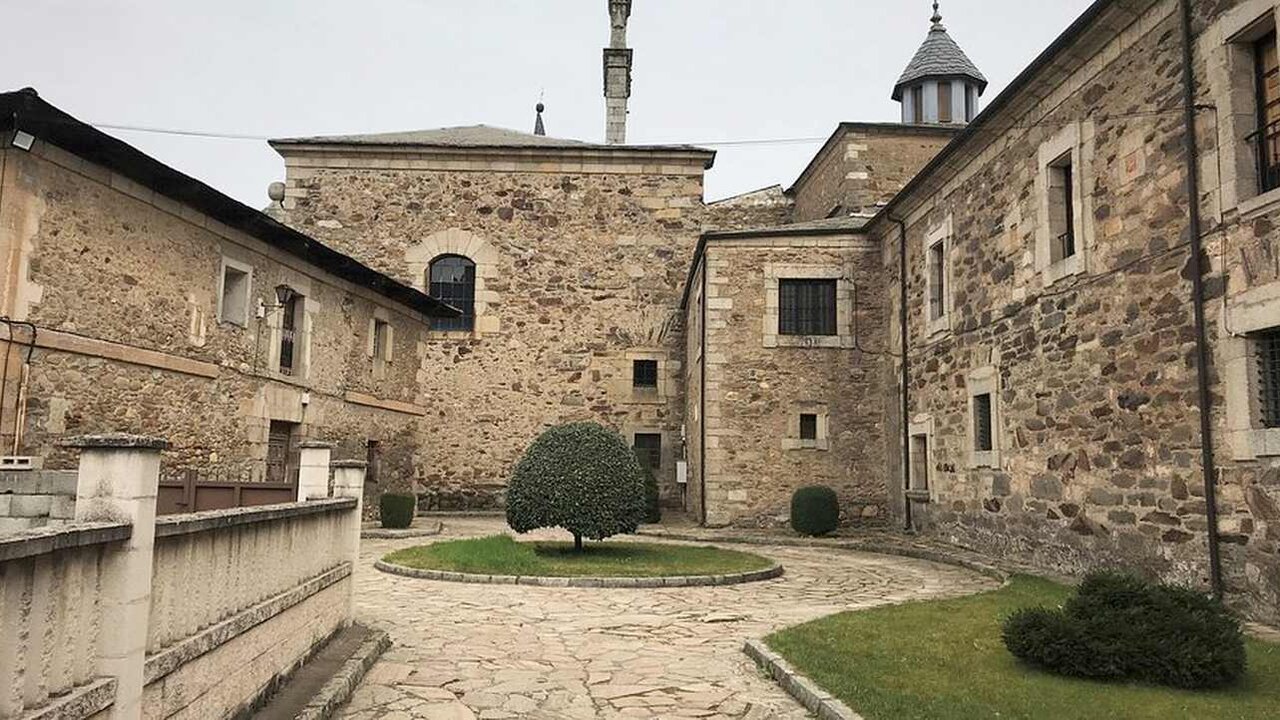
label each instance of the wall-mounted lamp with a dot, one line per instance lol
(23, 140)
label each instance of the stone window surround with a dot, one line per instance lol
(1247, 312)
(465, 244)
(940, 234)
(1228, 47)
(773, 272)
(245, 268)
(982, 381)
(922, 425)
(641, 395)
(1076, 139)
(822, 442)
(302, 339)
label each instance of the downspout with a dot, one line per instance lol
(702, 400)
(906, 371)
(1197, 294)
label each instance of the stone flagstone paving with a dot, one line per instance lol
(499, 651)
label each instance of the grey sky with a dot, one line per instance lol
(705, 70)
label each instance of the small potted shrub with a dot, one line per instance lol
(582, 477)
(1121, 627)
(815, 511)
(397, 510)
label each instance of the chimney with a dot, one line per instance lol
(617, 73)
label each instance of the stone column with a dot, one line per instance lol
(313, 470)
(118, 481)
(348, 481)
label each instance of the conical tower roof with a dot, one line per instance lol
(939, 57)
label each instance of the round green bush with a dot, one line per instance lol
(581, 477)
(815, 511)
(397, 510)
(652, 498)
(1121, 627)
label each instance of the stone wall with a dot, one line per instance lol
(862, 166)
(1090, 362)
(35, 498)
(123, 287)
(579, 269)
(762, 208)
(758, 382)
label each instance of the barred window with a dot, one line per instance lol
(1268, 354)
(937, 280)
(1267, 138)
(807, 307)
(982, 423)
(644, 373)
(648, 450)
(453, 281)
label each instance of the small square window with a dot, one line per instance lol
(809, 427)
(644, 374)
(233, 306)
(983, 432)
(1267, 351)
(806, 307)
(648, 450)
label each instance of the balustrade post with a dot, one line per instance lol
(348, 481)
(118, 481)
(313, 470)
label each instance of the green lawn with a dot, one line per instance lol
(945, 659)
(502, 555)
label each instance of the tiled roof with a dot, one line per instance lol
(939, 56)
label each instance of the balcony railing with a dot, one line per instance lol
(1266, 143)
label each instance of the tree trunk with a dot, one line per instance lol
(577, 542)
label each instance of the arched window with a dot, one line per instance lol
(452, 279)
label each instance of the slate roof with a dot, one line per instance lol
(464, 136)
(939, 57)
(25, 110)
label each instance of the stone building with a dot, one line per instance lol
(138, 299)
(567, 258)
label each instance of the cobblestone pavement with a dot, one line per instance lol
(499, 651)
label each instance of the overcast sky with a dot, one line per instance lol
(706, 71)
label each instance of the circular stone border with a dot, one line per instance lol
(768, 573)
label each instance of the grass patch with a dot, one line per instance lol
(945, 659)
(502, 555)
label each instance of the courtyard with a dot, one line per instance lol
(500, 651)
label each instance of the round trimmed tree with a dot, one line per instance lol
(581, 477)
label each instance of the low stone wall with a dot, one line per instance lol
(120, 614)
(35, 498)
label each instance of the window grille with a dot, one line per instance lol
(453, 281)
(1268, 354)
(644, 374)
(288, 334)
(982, 430)
(807, 307)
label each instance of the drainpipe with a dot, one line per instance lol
(1197, 294)
(906, 370)
(702, 399)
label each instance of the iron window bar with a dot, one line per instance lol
(807, 307)
(644, 374)
(1266, 142)
(1268, 354)
(982, 431)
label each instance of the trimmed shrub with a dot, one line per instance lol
(652, 509)
(815, 511)
(581, 477)
(397, 510)
(1120, 627)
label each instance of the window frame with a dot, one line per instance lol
(984, 382)
(292, 326)
(938, 236)
(920, 483)
(1248, 316)
(794, 438)
(460, 299)
(656, 464)
(639, 380)
(828, 325)
(246, 270)
(917, 105)
(945, 109)
(1265, 346)
(1072, 145)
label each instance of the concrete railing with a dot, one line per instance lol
(198, 614)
